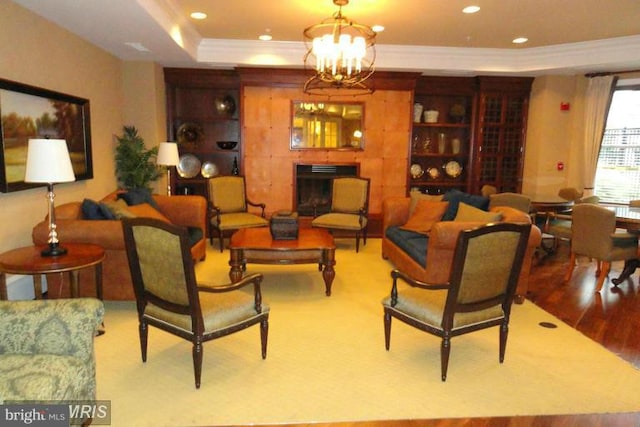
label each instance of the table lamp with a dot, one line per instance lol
(48, 162)
(168, 156)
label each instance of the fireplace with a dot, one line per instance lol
(312, 185)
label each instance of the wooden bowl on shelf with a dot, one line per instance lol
(227, 145)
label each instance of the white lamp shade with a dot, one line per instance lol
(48, 161)
(168, 154)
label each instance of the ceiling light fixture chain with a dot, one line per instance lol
(342, 54)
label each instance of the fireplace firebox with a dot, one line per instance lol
(313, 185)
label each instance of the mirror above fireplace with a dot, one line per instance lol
(327, 126)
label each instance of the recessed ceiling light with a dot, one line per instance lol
(520, 40)
(137, 46)
(198, 15)
(266, 36)
(378, 28)
(471, 9)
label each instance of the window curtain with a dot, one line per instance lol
(598, 100)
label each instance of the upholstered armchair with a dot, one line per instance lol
(229, 207)
(46, 349)
(169, 298)
(349, 208)
(478, 294)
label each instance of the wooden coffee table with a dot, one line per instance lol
(255, 245)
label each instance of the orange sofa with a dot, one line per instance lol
(190, 211)
(441, 243)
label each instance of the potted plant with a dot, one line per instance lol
(135, 164)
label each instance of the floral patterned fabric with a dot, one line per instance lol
(46, 349)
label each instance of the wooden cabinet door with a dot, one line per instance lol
(500, 138)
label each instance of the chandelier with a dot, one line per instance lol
(341, 52)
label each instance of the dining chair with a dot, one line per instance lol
(593, 234)
(229, 207)
(169, 298)
(570, 193)
(487, 190)
(481, 288)
(514, 200)
(557, 226)
(349, 208)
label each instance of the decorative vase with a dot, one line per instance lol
(426, 144)
(455, 145)
(431, 116)
(417, 112)
(442, 142)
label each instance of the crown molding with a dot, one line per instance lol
(610, 54)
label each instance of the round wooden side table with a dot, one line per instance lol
(28, 260)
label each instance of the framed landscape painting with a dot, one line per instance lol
(31, 112)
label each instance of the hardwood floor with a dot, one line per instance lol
(611, 317)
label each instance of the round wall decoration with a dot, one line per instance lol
(189, 133)
(189, 166)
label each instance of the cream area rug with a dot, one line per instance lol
(326, 360)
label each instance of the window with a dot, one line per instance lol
(618, 171)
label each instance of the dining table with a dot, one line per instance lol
(627, 217)
(543, 204)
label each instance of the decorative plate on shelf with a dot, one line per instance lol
(189, 133)
(189, 166)
(225, 105)
(416, 171)
(433, 173)
(209, 169)
(453, 169)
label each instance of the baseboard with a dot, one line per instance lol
(20, 287)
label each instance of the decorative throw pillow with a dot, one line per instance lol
(455, 197)
(136, 196)
(471, 214)
(94, 210)
(119, 209)
(145, 210)
(416, 196)
(425, 215)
